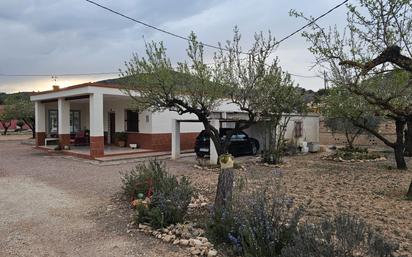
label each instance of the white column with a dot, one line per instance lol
(96, 115)
(63, 107)
(40, 116)
(213, 153)
(175, 139)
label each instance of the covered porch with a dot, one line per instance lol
(84, 120)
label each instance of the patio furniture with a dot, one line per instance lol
(80, 138)
(50, 139)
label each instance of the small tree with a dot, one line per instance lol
(259, 87)
(5, 120)
(21, 108)
(351, 132)
(154, 84)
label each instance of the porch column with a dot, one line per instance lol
(40, 122)
(96, 125)
(213, 159)
(63, 107)
(175, 139)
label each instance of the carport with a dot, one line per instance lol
(217, 119)
(176, 139)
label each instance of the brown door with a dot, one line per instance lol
(112, 126)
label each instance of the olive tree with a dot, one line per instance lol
(21, 108)
(5, 120)
(18, 107)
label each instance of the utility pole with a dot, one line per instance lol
(325, 80)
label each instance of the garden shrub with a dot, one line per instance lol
(169, 197)
(262, 229)
(342, 236)
(139, 180)
(356, 153)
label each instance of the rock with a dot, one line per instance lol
(203, 239)
(177, 241)
(168, 238)
(145, 227)
(195, 252)
(184, 242)
(195, 242)
(212, 253)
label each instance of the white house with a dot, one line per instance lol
(95, 112)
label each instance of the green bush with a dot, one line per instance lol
(139, 180)
(343, 236)
(169, 197)
(355, 149)
(356, 154)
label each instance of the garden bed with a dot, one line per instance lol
(355, 155)
(366, 189)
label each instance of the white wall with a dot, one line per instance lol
(310, 131)
(119, 107)
(162, 122)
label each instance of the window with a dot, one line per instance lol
(298, 129)
(239, 136)
(132, 121)
(74, 121)
(53, 122)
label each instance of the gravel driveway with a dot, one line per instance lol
(57, 206)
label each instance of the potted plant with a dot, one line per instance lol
(226, 161)
(121, 138)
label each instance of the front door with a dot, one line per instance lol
(112, 127)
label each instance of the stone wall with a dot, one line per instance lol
(387, 128)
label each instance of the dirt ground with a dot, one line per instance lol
(57, 206)
(61, 206)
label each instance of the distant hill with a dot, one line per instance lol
(3, 95)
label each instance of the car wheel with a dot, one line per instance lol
(254, 148)
(200, 155)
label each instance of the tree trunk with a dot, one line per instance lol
(224, 190)
(409, 194)
(6, 126)
(400, 145)
(349, 140)
(408, 139)
(31, 124)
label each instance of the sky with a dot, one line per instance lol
(74, 36)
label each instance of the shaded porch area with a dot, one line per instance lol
(109, 151)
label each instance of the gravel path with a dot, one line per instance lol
(57, 206)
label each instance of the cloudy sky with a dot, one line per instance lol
(73, 36)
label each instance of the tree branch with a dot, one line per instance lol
(391, 54)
